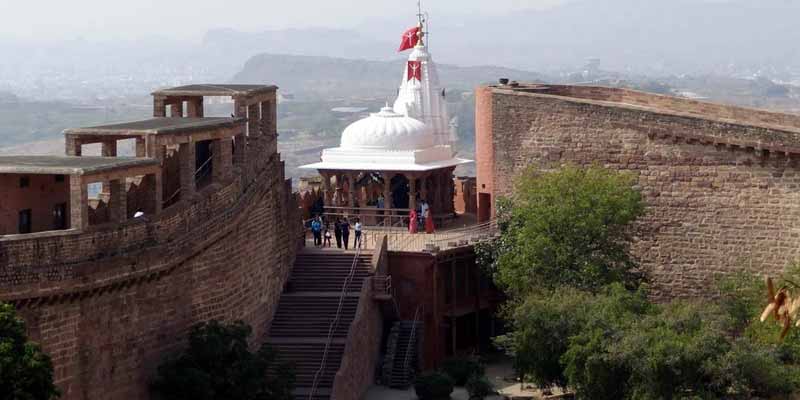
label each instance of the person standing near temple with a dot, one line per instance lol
(337, 231)
(428, 221)
(423, 212)
(346, 233)
(357, 240)
(316, 229)
(413, 221)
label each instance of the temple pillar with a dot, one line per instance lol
(222, 159)
(78, 203)
(412, 191)
(326, 187)
(187, 157)
(176, 109)
(423, 188)
(194, 107)
(387, 197)
(118, 201)
(351, 192)
(141, 147)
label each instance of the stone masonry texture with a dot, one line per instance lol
(721, 184)
(110, 303)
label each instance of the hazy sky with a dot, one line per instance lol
(189, 19)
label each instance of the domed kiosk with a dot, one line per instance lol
(398, 156)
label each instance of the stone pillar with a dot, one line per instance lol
(254, 120)
(141, 147)
(387, 197)
(423, 190)
(412, 192)
(194, 107)
(78, 203)
(159, 107)
(351, 192)
(72, 146)
(222, 159)
(240, 151)
(118, 201)
(326, 188)
(387, 190)
(155, 193)
(445, 191)
(337, 189)
(436, 197)
(107, 149)
(187, 157)
(176, 109)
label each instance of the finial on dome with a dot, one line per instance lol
(421, 25)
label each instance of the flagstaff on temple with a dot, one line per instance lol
(402, 156)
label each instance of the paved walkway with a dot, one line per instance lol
(500, 374)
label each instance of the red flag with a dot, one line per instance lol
(414, 70)
(410, 39)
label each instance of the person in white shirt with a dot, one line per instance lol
(358, 227)
(423, 208)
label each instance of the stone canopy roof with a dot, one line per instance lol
(216, 90)
(61, 165)
(158, 126)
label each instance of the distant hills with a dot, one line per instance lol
(333, 77)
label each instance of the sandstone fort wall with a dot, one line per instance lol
(722, 196)
(108, 304)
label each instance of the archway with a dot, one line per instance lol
(400, 191)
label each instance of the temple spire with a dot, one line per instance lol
(421, 24)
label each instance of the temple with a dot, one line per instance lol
(402, 154)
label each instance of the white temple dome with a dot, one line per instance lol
(387, 130)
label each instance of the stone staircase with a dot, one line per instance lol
(401, 342)
(299, 329)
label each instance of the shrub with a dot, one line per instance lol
(26, 372)
(479, 387)
(569, 227)
(433, 386)
(462, 368)
(218, 365)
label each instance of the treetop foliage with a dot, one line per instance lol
(218, 365)
(26, 372)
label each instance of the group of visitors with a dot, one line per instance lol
(421, 218)
(320, 228)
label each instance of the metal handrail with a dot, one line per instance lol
(335, 322)
(195, 176)
(411, 340)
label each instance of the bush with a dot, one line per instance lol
(433, 386)
(479, 387)
(461, 369)
(218, 365)
(26, 372)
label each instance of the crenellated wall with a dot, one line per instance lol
(108, 304)
(722, 184)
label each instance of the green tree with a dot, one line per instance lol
(218, 365)
(26, 372)
(568, 227)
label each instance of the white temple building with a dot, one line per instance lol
(403, 153)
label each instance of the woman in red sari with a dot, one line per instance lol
(412, 221)
(428, 221)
